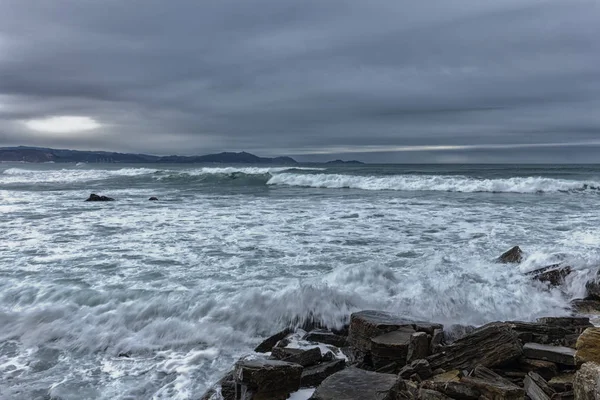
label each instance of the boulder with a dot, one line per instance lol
(492, 386)
(583, 306)
(366, 325)
(587, 382)
(304, 357)
(592, 288)
(95, 197)
(512, 256)
(588, 346)
(449, 383)
(556, 354)
(537, 388)
(391, 347)
(268, 344)
(313, 376)
(326, 337)
(491, 345)
(357, 384)
(545, 369)
(427, 394)
(553, 275)
(557, 331)
(418, 346)
(267, 379)
(153, 198)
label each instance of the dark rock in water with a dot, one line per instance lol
(537, 388)
(298, 356)
(489, 346)
(95, 197)
(512, 256)
(268, 379)
(153, 198)
(545, 369)
(556, 354)
(326, 337)
(553, 275)
(492, 386)
(357, 384)
(226, 386)
(583, 306)
(593, 289)
(455, 332)
(313, 376)
(268, 344)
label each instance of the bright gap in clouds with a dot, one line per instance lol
(62, 124)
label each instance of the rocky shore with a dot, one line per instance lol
(382, 356)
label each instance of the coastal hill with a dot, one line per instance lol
(42, 155)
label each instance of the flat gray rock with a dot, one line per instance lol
(556, 354)
(313, 376)
(357, 384)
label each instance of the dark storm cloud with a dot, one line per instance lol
(370, 79)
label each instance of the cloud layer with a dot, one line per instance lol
(467, 79)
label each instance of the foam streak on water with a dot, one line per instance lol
(138, 299)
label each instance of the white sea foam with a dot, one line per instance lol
(431, 183)
(30, 176)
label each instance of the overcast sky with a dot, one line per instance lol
(393, 81)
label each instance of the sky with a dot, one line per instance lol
(378, 81)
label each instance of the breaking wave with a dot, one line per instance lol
(433, 183)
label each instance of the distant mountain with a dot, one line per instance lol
(41, 155)
(351, 162)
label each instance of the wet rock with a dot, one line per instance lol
(419, 367)
(268, 379)
(391, 347)
(455, 332)
(588, 346)
(418, 347)
(512, 256)
(357, 384)
(427, 327)
(326, 337)
(491, 345)
(226, 386)
(95, 197)
(537, 388)
(592, 288)
(556, 354)
(268, 344)
(304, 357)
(313, 376)
(366, 325)
(492, 386)
(545, 369)
(553, 275)
(587, 382)
(436, 340)
(583, 306)
(153, 198)
(557, 331)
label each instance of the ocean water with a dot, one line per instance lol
(135, 299)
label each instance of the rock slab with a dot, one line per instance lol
(556, 354)
(357, 384)
(268, 379)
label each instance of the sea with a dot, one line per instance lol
(139, 299)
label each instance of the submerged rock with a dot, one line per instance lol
(553, 275)
(153, 198)
(95, 197)
(512, 256)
